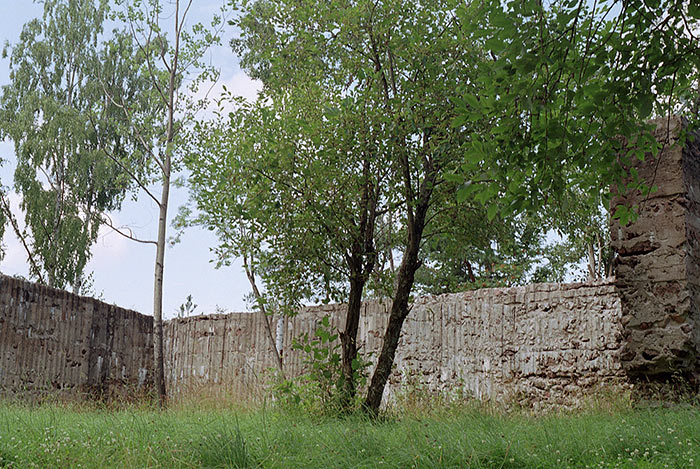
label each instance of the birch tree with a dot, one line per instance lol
(172, 55)
(62, 127)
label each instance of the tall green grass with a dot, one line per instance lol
(469, 436)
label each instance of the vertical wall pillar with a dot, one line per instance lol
(658, 261)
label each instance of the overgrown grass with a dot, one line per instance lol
(467, 436)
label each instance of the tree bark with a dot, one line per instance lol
(348, 337)
(77, 283)
(404, 284)
(279, 336)
(399, 312)
(592, 271)
(361, 261)
(158, 368)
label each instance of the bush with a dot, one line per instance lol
(321, 389)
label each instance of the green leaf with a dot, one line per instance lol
(492, 211)
(452, 177)
(694, 9)
(472, 101)
(645, 105)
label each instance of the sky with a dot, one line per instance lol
(123, 269)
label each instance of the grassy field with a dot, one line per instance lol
(189, 436)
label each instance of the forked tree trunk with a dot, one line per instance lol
(399, 312)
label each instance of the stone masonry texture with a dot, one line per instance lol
(542, 342)
(658, 260)
(538, 343)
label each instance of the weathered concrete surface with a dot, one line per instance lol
(221, 349)
(52, 341)
(543, 342)
(658, 260)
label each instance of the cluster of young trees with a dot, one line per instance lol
(396, 147)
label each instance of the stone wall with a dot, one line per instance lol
(658, 260)
(543, 342)
(539, 342)
(53, 341)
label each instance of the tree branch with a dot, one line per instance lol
(107, 220)
(15, 226)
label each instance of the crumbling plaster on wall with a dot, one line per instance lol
(658, 257)
(542, 342)
(538, 343)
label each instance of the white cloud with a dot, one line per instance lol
(242, 85)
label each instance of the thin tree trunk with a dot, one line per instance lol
(404, 285)
(263, 312)
(77, 283)
(279, 336)
(591, 261)
(159, 371)
(601, 264)
(470, 272)
(361, 261)
(390, 247)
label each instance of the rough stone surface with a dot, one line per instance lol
(658, 260)
(52, 341)
(538, 343)
(543, 342)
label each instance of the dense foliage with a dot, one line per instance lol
(69, 139)
(396, 146)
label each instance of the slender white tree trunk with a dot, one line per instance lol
(159, 371)
(279, 343)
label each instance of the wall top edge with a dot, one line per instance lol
(467, 295)
(29, 285)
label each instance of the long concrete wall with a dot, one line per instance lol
(538, 342)
(52, 341)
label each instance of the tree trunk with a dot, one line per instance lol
(159, 378)
(399, 312)
(263, 312)
(348, 337)
(592, 271)
(279, 336)
(77, 284)
(158, 368)
(399, 306)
